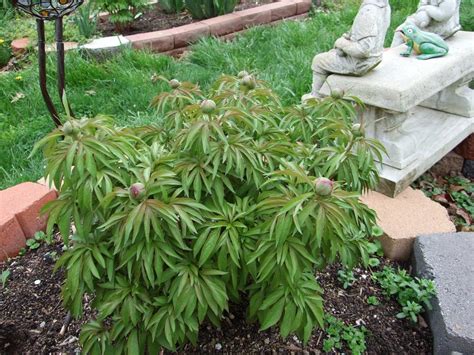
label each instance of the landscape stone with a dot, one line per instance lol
(223, 25)
(24, 201)
(448, 260)
(187, 34)
(159, 41)
(105, 47)
(405, 217)
(20, 45)
(12, 238)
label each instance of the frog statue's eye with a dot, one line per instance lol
(410, 31)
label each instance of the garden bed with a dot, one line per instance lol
(155, 19)
(31, 315)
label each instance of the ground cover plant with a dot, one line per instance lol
(228, 197)
(456, 193)
(413, 294)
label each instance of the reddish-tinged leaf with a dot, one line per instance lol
(464, 215)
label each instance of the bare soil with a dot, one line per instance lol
(155, 19)
(32, 316)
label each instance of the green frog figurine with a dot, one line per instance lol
(426, 44)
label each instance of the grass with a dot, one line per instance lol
(123, 88)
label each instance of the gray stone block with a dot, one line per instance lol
(448, 259)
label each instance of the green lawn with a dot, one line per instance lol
(123, 87)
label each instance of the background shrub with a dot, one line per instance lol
(122, 12)
(228, 200)
(201, 9)
(171, 6)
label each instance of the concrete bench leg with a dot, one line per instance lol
(392, 130)
(457, 99)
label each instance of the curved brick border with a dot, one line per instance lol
(174, 39)
(20, 218)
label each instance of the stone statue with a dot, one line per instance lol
(437, 16)
(356, 52)
(426, 44)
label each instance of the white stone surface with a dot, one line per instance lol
(106, 46)
(399, 84)
(434, 134)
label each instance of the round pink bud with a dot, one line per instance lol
(175, 84)
(324, 186)
(137, 191)
(249, 82)
(208, 106)
(242, 74)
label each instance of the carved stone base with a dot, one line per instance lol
(395, 131)
(433, 134)
(457, 99)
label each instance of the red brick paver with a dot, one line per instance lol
(466, 148)
(12, 238)
(20, 46)
(159, 41)
(20, 217)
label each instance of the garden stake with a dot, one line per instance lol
(42, 73)
(50, 10)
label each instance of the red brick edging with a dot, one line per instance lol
(20, 218)
(174, 39)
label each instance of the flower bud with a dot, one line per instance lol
(249, 82)
(356, 127)
(137, 191)
(175, 83)
(208, 106)
(324, 186)
(337, 94)
(242, 74)
(70, 128)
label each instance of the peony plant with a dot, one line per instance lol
(233, 198)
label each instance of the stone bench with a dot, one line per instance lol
(420, 110)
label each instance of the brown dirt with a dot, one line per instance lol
(154, 19)
(31, 316)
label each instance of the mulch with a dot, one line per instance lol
(155, 19)
(32, 316)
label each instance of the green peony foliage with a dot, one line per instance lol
(233, 198)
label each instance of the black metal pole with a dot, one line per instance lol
(42, 72)
(60, 59)
(60, 53)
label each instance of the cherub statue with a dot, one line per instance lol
(437, 16)
(356, 52)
